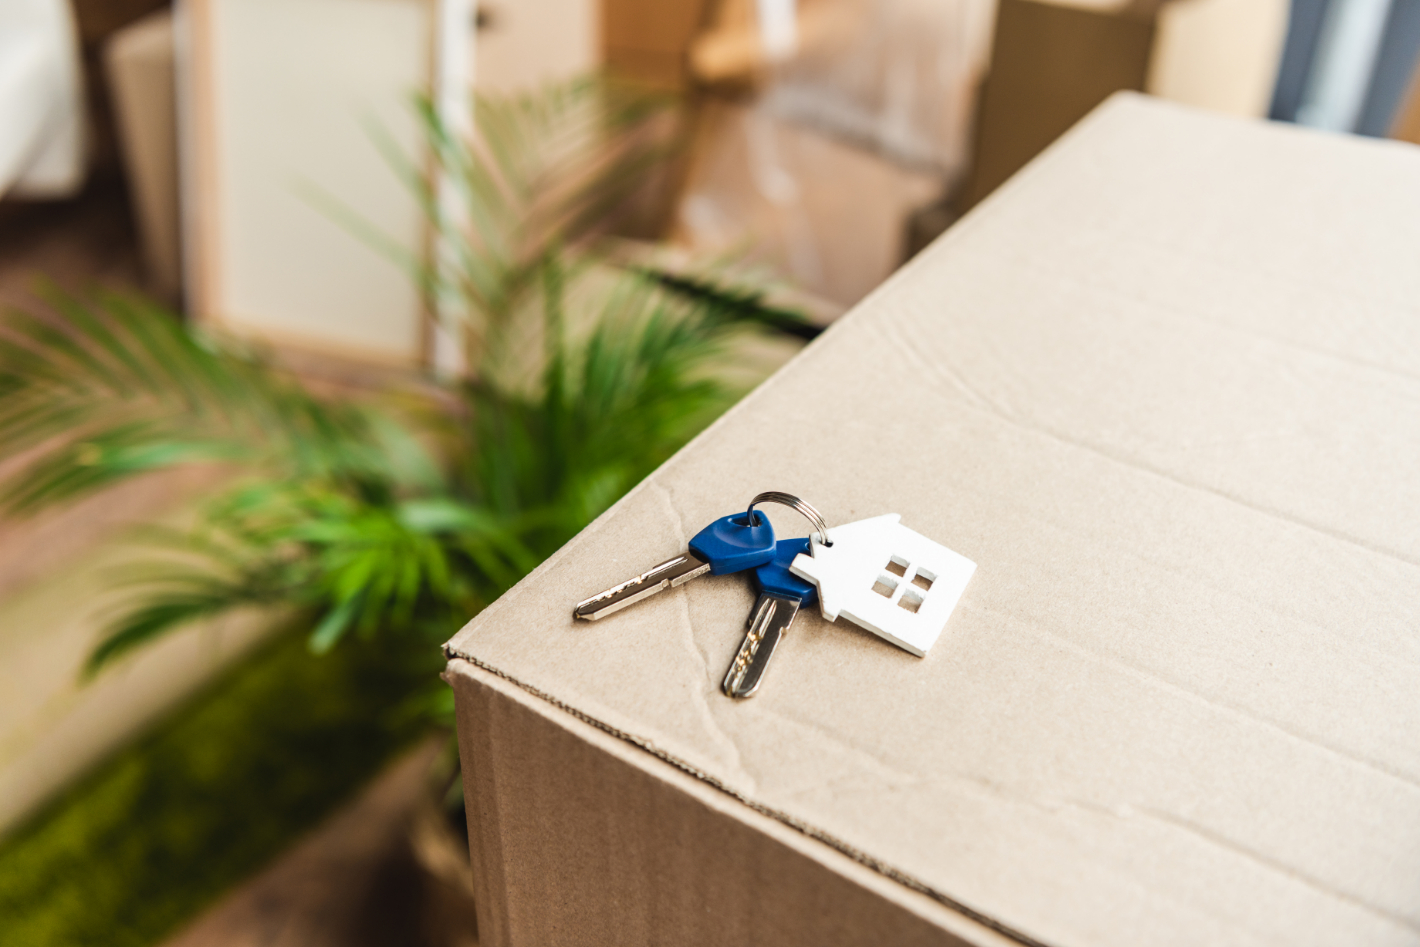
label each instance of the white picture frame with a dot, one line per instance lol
(281, 106)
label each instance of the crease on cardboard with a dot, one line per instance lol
(1401, 556)
(1411, 646)
(1049, 804)
(899, 777)
(1220, 841)
(1401, 649)
(1163, 309)
(452, 652)
(1138, 673)
(891, 331)
(1317, 352)
(688, 636)
(1193, 316)
(1293, 615)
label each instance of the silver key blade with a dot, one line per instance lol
(667, 575)
(772, 616)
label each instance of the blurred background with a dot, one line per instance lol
(326, 320)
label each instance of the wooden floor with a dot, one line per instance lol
(75, 245)
(353, 882)
(53, 563)
(80, 243)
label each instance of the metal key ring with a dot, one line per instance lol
(802, 507)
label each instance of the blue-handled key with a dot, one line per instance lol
(781, 595)
(730, 544)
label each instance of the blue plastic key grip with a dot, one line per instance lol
(775, 578)
(730, 544)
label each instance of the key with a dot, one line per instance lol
(730, 544)
(781, 595)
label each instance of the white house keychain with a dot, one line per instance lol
(893, 581)
(877, 573)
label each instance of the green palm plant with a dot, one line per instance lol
(403, 513)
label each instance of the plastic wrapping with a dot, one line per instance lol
(898, 75)
(866, 122)
(827, 215)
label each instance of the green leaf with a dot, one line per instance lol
(404, 512)
(334, 625)
(161, 614)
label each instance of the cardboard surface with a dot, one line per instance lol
(1162, 388)
(1051, 63)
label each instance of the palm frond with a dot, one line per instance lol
(613, 404)
(100, 393)
(730, 301)
(592, 374)
(180, 601)
(544, 169)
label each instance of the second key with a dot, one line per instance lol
(781, 595)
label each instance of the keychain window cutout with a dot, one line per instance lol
(851, 580)
(897, 566)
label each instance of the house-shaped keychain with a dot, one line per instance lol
(893, 581)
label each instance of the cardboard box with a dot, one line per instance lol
(1052, 61)
(139, 61)
(1162, 389)
(649, 40)
(1407, 120)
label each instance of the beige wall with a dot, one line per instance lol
(526, 43)
(1220, 55)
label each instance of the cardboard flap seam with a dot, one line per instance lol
(844, 848)
(1201, 832)
(1168, 311)
(1131, 463)
(1152, 678)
